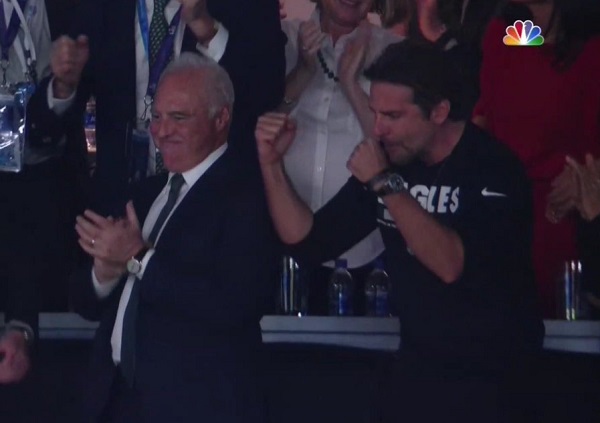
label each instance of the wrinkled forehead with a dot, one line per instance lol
(390, 93)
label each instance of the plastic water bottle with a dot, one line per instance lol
(90, 124)
(370, 296)
(340, 290)
(377, 289)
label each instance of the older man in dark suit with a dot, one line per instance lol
(180, 283)
(123, 40)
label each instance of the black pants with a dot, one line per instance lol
(416, 390)
(123, 405)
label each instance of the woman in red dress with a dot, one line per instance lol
(544, 103)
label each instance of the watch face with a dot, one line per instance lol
(134, 266)
(395, 183)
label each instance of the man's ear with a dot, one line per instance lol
(440, 112)
(222, 119)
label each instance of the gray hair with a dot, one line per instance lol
(218, 86)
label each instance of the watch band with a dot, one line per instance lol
(140, 255)
(377, 179)
(392, 183)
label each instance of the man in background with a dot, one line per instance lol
(116, 52)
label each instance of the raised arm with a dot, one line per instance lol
(291, 217)
(350, 67)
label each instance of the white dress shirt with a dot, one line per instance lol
(328, 130)
(104, 289)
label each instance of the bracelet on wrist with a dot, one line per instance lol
(22, 328)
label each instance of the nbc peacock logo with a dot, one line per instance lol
(523, 34)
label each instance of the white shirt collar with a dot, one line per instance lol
(191, 176)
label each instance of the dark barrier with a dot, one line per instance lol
(309, 383)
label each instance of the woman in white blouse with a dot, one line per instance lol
(328, 97)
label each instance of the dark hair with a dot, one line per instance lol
(377, 7)
(426, 69)
(576, 21)
(478, 15)
(396, 11)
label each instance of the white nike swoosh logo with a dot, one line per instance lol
(487, 193)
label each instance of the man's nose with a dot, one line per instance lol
(160, 128)
(378, 127)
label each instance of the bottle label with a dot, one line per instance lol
(381, 304)
(344, 305)
(370, 302)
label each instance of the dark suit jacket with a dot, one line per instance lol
(203, 293)
(254, 59)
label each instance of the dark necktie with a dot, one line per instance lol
(129, 318)
(158, 30)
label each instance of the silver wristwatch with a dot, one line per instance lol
(134, 264)
(386, 183)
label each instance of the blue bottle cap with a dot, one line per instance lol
(341, 263)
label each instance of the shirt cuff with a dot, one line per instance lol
(59, 105)
(144, 261)
(216, 46)
(103, 290)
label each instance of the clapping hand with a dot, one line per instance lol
(588, 184)
(111, 242)
(353, 57)
(310, 39)
(563, 196)
(14, 357)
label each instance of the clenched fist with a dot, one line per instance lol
(367, 160)
(274, 134)
(196, 16)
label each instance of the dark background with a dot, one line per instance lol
(59, 14)
(310, 384)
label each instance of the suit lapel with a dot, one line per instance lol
(206, 190)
